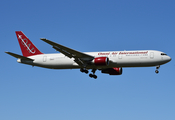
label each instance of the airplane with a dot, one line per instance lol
(108, 62)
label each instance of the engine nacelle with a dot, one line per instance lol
(112, 71)
(101, 61)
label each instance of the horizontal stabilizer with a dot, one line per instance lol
(18, 56)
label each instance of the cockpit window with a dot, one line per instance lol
(163, 54)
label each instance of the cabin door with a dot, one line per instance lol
(152, 55)
(44, 58)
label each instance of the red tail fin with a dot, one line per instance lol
(27, 47)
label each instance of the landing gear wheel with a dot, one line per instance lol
(90, 75)
(157, 71)
(84, 70)
(93, 76)
(157, 67)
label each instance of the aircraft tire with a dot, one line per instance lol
(157, 71)
(93, 76)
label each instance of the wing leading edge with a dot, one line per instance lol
(80, 58)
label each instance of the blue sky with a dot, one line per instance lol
(94, 25)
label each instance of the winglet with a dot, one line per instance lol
(27, 47)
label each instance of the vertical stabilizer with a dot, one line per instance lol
(27, 47)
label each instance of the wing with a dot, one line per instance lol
(80, 58)
(18, 56)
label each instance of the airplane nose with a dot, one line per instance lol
(169, 58)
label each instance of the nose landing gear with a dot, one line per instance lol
(157, 69)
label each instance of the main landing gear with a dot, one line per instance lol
(92, 75)
(157, 69)
(84, 70)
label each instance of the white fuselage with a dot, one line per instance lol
(141, 58)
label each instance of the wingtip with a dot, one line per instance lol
(43, 39)
(6, 52)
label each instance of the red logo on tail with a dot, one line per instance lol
(24, 43)
(27, 47)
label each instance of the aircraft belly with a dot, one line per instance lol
(61, 63)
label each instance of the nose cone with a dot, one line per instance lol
(168, 58)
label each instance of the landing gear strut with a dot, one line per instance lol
(93, 75)
(157, 69)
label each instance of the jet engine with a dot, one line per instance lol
(101, 61)
(112, 71)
